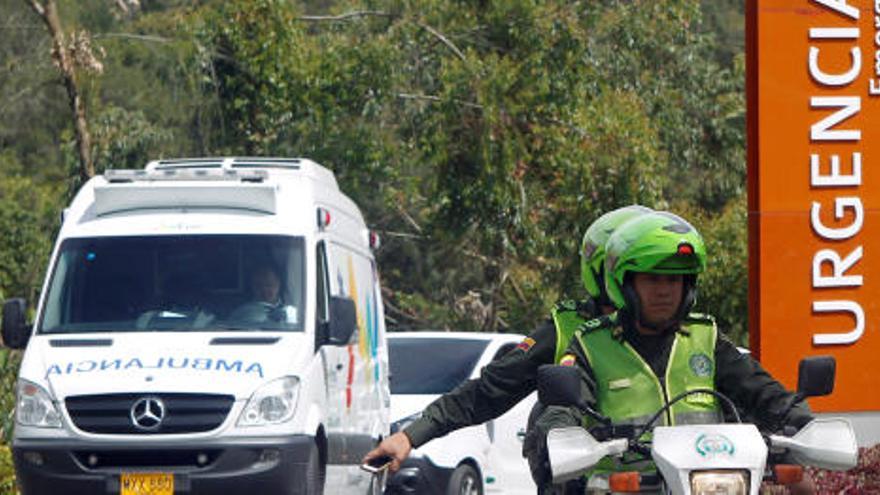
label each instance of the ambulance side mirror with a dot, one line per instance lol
(16, 331)
(343, 320)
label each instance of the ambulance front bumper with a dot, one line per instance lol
(247, 466)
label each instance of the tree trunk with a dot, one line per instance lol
(49, 13)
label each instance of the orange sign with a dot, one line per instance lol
(814, 191)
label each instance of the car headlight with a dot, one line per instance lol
(273, 403)
(720, 483)
(402, 423)
(35, 407)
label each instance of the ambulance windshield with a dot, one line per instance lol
(176, 283)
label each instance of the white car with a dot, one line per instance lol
(471, 461)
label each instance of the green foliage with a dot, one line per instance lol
(480, 138)
(9, 364)
(124, 139)
(256, 52)
(723, 289)
(8, 485)
(27, 219)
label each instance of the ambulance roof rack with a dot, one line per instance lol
(227, 163)
(186, 174)
(240, 166)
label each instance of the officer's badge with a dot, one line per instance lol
(567, 360)
(568, 305)
(526, 344)
(590, 325)
(700, 364)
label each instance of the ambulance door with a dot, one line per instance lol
(335, 359)
(351, 276)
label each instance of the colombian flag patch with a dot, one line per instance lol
(526, 344)
(567, 360)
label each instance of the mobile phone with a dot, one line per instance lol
(377, 464)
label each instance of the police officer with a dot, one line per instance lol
(509, 379)
(653, 347)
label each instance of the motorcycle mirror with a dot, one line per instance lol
(572, 451)
(823, 443)
(559, 385)
(816, 376)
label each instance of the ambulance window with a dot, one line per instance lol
(177, 283)
(321, 298)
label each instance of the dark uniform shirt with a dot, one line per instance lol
(501, 385)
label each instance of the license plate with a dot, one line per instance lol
(146, 484)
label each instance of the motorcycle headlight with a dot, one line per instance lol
(273, 403)
(35, 407)
(720, 483)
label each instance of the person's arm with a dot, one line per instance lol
(501, 385)
(767, 402)
(535, 445)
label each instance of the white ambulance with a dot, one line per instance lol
(206, 326)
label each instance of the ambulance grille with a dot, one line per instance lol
(168, 413)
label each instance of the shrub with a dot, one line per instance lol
(7, 472)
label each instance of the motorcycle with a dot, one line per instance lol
(705, 459)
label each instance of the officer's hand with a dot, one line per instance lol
(397, 446)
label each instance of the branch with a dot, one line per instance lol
(437, 99)
(49, 14)
(38, 8)
(346, 16)
(139, 37)
(406, 216)
(398, 234)
(517, 289)
(20, 28)
(443, 39)
(123, 7)
(378, 13)
(485, 259)
(569, 126)
(387, 297)
(9, 101)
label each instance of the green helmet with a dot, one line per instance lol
(658, 242)
(593, 248)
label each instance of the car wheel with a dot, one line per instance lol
(315, 473)
(465, 481)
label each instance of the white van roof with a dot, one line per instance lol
(273, 193)
(300, 166)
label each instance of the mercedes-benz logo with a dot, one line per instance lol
(147, 413)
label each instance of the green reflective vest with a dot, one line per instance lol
(627, 390)
(569, 311)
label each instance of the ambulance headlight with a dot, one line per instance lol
(720, 483)
(273, 403)
(34, 406)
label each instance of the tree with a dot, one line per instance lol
(71, 55)
(492, 132)
(480, 138)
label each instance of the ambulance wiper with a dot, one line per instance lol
(228, 327)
